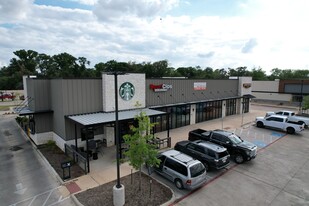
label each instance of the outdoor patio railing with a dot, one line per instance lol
(77, 157)
(161, 143)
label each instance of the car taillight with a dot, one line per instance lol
(188, 182)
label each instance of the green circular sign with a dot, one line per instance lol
(126, 91)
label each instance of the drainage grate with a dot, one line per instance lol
(15, 148)
(7, 133)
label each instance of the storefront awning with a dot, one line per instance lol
(106, 117)
(249, 96)
(27, 111)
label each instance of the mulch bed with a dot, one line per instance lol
(103, 194)
(55, 156)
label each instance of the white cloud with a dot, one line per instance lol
(271, 33)
(107, 10)
(86, 2)
(12, 10)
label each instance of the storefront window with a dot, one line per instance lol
(179, 116)
(208, 110)
(246, 102)
(230, 107)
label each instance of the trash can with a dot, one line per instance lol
(66, 170)
(95, 156)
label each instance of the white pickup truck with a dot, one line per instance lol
(291, 116)
(279, 122)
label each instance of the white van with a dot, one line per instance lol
(182, 169)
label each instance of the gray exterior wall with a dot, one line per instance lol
(56, 94)
(38, 91)
(265, 86)
(43, 122)
(63, 97)
(78, 96)
(183, 91)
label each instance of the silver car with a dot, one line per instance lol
(182, 169)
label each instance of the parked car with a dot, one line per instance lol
(291, 116)
(238, 148)
(210, 154)
(279, 122)
(4, 96)
(183, 170)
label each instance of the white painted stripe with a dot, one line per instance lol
(48, 197)
(32, 201)
(34, 196)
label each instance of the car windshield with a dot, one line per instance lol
(235, 139)
(197, 170)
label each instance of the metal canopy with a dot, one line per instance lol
(249, 96)
(106, 117)
(27, 111)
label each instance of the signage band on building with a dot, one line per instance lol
(199, 86)
(160, 87)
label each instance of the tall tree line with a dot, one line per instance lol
(64, 65)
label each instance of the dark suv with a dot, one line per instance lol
(211, 155)
(241, 150)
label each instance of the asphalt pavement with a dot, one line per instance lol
(277, 177)
(24, 176)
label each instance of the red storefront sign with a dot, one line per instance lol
(160, 87)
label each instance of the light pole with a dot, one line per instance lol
(118, 189)
(301, 95)
(117, 130)
(242, 112)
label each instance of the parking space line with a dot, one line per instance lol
(204, 185)
(59, 201)
(34, 197)
(32, 201)
(220, 175)
(48, 197)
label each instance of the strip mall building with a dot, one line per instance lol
(63, 109)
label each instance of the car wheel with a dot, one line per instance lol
(290, 130)
(239, 158)
(260, 124)
(178, 184)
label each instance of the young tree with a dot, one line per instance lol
(140, 150)
(306, 102)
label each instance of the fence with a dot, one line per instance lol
(77, 157)
(305, 112)
(161, 143)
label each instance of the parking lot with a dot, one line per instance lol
(278, 175)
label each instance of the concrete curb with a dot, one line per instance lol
(274, 105)
(75, 200)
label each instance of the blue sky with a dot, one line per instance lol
(206, 33)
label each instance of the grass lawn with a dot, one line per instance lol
(4, 108)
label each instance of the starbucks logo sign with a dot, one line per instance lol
(126, 91)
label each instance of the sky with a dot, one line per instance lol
(207, 33)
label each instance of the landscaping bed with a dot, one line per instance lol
(103, 194)
(55, 156)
